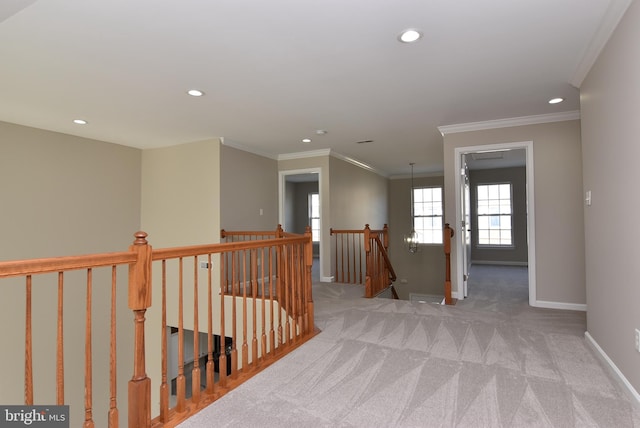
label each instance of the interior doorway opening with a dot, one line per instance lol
(486, 166)
(301, 206)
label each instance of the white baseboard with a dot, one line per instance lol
(498, 263)
(611, 365)
(456, 295)
(326, 279)
(560, 305)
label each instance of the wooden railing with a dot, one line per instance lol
(361, 258)
(260, 329)
(261, 258)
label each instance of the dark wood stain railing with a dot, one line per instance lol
(280, 286)
(358, 249)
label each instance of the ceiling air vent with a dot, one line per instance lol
(364, 141)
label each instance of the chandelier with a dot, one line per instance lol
(411, 239)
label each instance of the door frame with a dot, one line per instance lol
(459, 152)
(465, 223)
(282, 181)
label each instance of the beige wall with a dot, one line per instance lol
(181, 194)
(248, 183)
(423, 271)
(610, 104)
(180, 206)
(358, 196)
(559, 239)
(65, 195)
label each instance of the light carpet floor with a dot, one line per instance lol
(490, 361)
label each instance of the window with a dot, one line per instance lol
(314, 216)
(494, 212)
(427, 214)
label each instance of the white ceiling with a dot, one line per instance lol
(276, 71)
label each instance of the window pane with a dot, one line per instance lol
(482, 193)
(427, 214)
(314, 216)
(493, 214)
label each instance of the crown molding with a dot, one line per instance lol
(358, 163)
(612, 17)
(329, 152)
(238, 146)
(506, 123)
(303, 155)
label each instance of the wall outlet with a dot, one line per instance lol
(637, 340)
(204, 265)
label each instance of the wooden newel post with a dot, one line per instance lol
(139, 301)
(308, 260)
(385, 236)
(448, 234)
(368, 292)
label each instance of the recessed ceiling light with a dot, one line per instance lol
(409, 36)
(556, 100)
(306, 140)
(320, 132)
(80, 121)
(195, 92)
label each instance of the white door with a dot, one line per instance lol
(465, 226)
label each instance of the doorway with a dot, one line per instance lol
(492, 156)
(300, 204)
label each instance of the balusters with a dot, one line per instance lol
(60, 345)
(254, 295)
(180, 380)
(209, 366)
(195, 371)
(88, 372)
(28, 348)
(234, 318)
(222, 358)
(272, 334)
(245, 346)
(263, 337)
(113, 372)
(164, 387)
(287, 294)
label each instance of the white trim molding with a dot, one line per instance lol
(560, 305)
(611, 365)
(329, 152)
(614, 14)
(303, 155)
(509, 122)
(358, 163)
(226, 142)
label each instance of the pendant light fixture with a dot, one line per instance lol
(411, 239)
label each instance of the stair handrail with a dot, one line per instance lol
(296, 325)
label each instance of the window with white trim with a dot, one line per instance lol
(427, 214)
(314, 216)
(494, 211)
